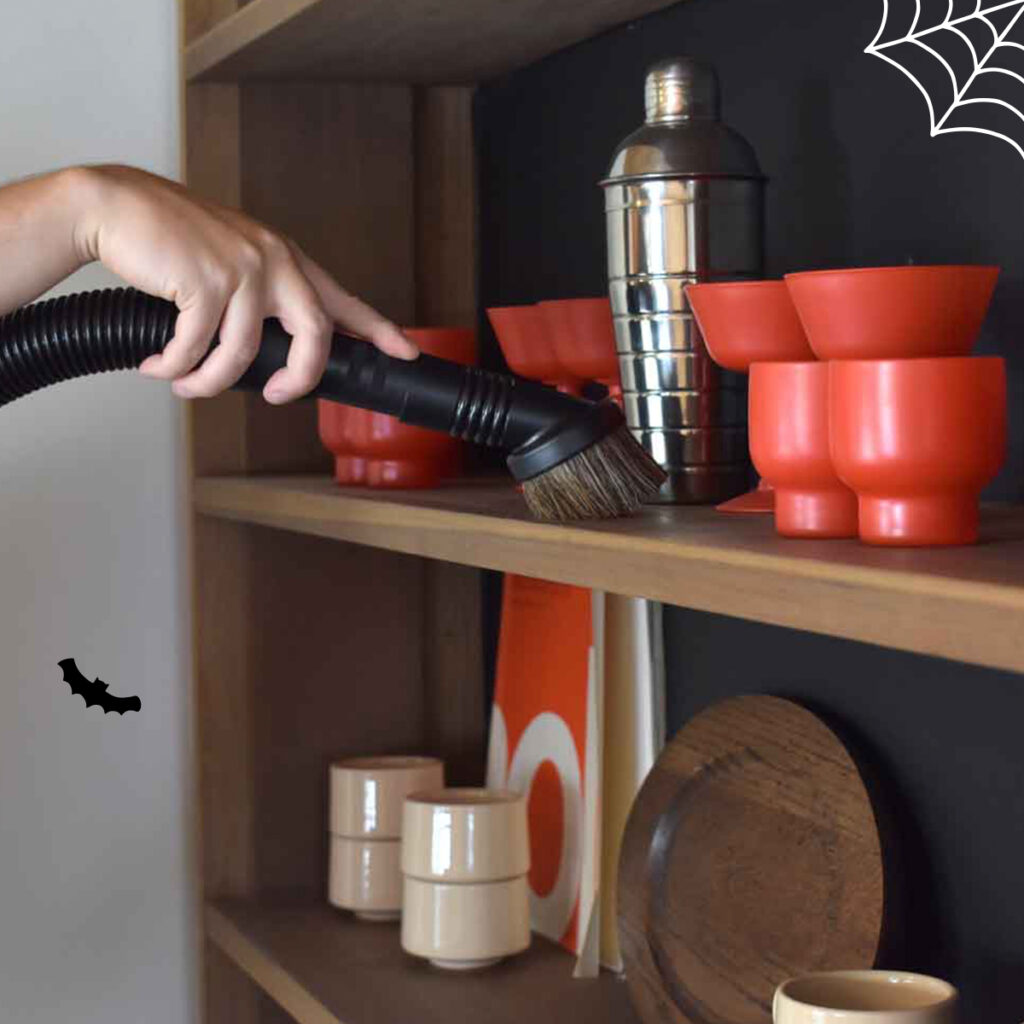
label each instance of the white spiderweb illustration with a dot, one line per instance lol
(967, 59)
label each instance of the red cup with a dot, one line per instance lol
(746, 322)
(789, 445)
(335, 424)
(918, 439)
(525, 339)
(893, 312)
(380, 450)
(583, 334)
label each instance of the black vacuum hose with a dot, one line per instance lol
(117, 329)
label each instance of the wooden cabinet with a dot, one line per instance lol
(329, 623)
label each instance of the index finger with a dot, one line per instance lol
(353, 314)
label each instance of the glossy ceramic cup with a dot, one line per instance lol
(789, 445)
(865, 997)
(380, 450)
(583, 334)
(465, 835)
(367, 794)
(334, 421)
(745, 322)
(918, 439)
(464, 926)
(893, 312)
(525, 339)
(365, 876)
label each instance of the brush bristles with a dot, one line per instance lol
(610, 478)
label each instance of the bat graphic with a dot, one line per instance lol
(96, 692)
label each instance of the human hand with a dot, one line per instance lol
(224, 271)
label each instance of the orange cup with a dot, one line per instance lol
(583, 334)
(380, 450)
(918, 439)
(789, 445)
(335, 424)
(893, 312)
(525, 339)
(745, 322)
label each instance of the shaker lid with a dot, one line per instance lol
(682, 135)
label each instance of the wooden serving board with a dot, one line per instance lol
(751, 855)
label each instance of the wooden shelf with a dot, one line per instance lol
(457, 41)
(325, 967)
(961, 603)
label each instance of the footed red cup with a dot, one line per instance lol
(789, 445)
(524, 335)
(380, 450)
(918, 439)
(742, 323)
(583, 334)
(335, 425)
(893, 312)
(745, 322)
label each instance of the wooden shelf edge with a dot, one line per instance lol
(256, 19)
(264, 970)
(965, 604)
(324, 967)
(398, 41)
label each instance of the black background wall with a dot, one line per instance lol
(855, 180)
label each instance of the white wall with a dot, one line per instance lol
(95, 923)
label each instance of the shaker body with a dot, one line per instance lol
(684, 203)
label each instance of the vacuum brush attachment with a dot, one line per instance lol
(575, 459)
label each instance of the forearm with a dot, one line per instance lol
(39, 226)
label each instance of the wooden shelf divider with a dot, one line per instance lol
(966, 604)
(325, 967)
(411, 41)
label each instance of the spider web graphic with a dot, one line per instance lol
(966, 57)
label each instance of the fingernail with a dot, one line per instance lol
(275, 395)
(150, 365)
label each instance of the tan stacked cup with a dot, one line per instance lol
(465, 858)
(365, 823)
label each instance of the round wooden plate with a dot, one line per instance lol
(751, 855)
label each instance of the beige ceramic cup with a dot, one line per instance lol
(465, 835)
(365, 877)
(465, 925)
(367, 793)
(865, 997)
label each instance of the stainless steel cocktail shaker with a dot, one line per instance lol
(684, 202)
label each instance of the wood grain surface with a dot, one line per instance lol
(326, 967)
(751, 855)
(960, 603)
(454, 42)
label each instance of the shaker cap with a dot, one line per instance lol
(682, 135)
(679, 89)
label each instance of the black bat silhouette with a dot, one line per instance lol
(96, 692)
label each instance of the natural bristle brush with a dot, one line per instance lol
(575, 459)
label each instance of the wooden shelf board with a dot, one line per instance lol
(961, 603)
(458, 41)
(325, 967)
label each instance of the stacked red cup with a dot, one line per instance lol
(893, 431)
(917, 425)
